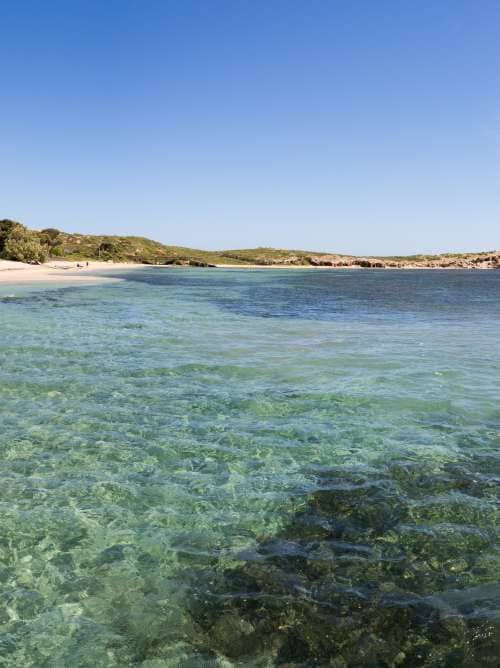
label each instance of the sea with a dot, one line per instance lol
(237, 467)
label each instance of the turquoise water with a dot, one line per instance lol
(251, 468)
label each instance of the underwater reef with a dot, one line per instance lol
(389, 566)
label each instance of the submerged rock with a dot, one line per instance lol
(359, 577)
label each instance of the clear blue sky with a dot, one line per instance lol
(362, 126)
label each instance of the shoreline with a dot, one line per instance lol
(348, 266)
(61, 271)
(279, 266)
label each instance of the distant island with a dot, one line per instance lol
(19, 243)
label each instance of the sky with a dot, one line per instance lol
(356, 126)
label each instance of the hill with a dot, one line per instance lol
(19, 243)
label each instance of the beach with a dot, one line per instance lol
(57, 271)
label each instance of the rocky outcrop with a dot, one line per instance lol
(477, 261)
(329, 260)
(182, 262)
(369, 262)
(469, 261)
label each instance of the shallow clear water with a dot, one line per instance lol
(270, 467)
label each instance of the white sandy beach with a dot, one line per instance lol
(57, 271)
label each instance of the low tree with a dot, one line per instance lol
(51, 232)
(51, 237)
(24, 246)
(106, 250)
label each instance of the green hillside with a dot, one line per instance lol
(131, 249)
(140, 249)
(31, 245)
(17, 242)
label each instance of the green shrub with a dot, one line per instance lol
(6, 227)
(57, 251)
(51, 232)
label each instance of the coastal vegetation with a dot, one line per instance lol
(17, 242)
